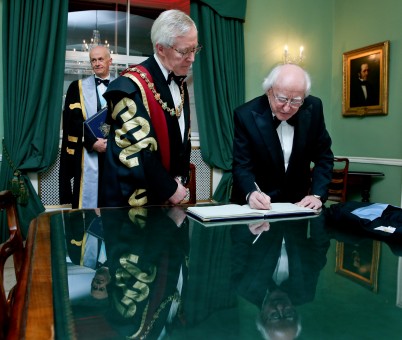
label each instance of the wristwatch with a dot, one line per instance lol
(316, 196)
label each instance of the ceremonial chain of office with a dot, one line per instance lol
(173, 112)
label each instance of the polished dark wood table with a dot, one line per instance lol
(150, 273)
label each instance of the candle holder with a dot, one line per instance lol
(289, 58)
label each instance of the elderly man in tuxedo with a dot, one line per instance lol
(276, 138)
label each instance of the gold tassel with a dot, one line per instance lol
(24, 195)
(19, 189)
(15, 184)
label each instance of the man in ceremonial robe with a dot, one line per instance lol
(149, 146)
(81, 161)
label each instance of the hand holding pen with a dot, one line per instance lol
(257, 228)
(259, 200)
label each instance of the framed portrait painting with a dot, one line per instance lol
(359, 262)
(365, 81)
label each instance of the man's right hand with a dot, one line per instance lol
(180, 193)
(259, 201)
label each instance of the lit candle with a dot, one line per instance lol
(301, 51)
(286, 50)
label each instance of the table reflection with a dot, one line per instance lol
(279, 270)
(155, 273)
(135, 287)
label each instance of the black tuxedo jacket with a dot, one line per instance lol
(258, 157)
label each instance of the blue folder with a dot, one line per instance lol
(96, 124)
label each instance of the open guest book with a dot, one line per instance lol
(236, 212)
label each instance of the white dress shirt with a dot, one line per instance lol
(286, 134)
(175, 91)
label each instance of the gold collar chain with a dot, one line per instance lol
(173, 112)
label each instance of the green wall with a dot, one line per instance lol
(270, 25)
(327, 29)
(357, 24)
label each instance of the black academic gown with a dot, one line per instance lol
(135, 174)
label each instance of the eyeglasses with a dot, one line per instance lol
(287, 314)
(293, 102)
(185, 53)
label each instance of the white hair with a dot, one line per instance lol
(272, 77)
(168, 26)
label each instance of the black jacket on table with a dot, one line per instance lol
(258, 156)
(135, 174)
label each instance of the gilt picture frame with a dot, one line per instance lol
(399, 284)
(365, 80)
(359, 262)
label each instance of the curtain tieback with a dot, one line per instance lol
(18, 187)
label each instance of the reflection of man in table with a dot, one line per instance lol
(279, 271)
(99, 283)
(147, 255)
(362, 91)
(84, 239)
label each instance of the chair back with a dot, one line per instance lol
(13, 246)
(337, 188)
(192, 187)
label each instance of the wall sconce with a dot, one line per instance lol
(293, 59)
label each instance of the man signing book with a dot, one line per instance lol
(276, 137)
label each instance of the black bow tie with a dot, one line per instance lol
(177, 79)
(363, 82)
(291, 121)
(99, 81)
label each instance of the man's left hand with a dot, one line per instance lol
(310, 202)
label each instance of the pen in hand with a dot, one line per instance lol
(260, 192)
(255, 240)
(263, 195)
(259, 227)
(258, 188)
